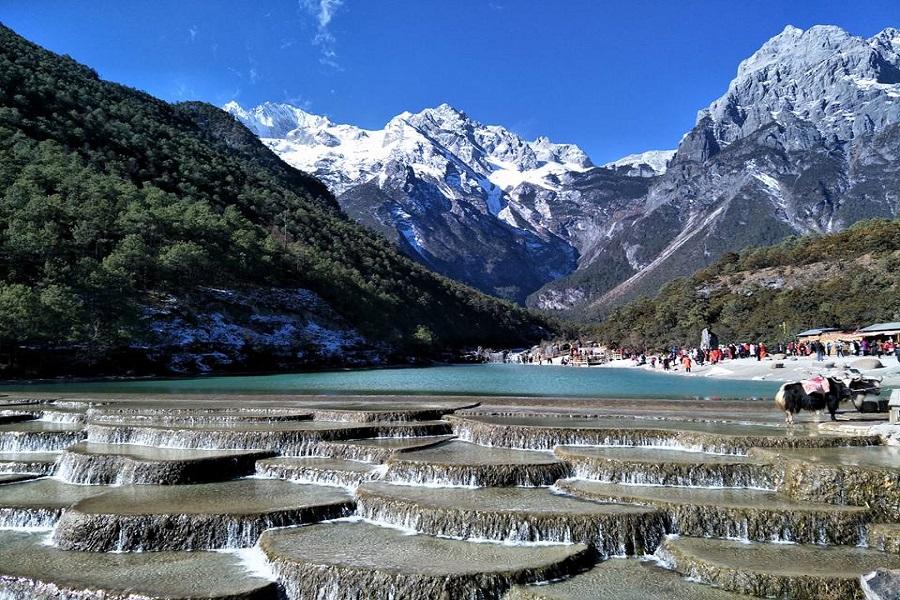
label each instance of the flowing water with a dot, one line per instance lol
(274, 496)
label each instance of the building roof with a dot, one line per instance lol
(881, 327)
(815, 331)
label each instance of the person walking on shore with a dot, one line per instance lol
(686, 363)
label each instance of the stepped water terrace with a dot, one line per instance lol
(395, 498)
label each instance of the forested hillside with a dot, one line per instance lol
(116, 206)
(847, 279)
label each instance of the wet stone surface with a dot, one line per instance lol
(195, 418)
(800, 572)
(885, 536)
(514, 515)
(321, 471)
(858, 476)
(377, 450)
(15, 416)
(363, 412)
(15, 477)
(652, 466)
(39, 436)
(40, 502)
(432, 516)
(122, 464)
(743, 514)
(32, 570)
(545, 432)
(195, 517)
(290, 438)
(622, 579)
(35, 463)
(462, 463)
(882, 584)
(352, 560)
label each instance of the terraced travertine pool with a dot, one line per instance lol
(312, 498)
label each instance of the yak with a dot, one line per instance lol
(792, 398)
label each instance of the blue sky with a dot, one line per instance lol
(613, 77)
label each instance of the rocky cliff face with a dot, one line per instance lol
(804, 140)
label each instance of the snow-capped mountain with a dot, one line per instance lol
(644, 164)
(428, 141)
(806, 138)
(437, 182)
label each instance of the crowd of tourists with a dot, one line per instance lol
(686, 358)
(841, 349)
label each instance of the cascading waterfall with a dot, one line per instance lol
(287, 441)
(526, 475)
(38, 441)
(140, 533)
(28, 517)
(531, 437)
(319, 475)
(773, 499)
(97, 468)
(614, 534)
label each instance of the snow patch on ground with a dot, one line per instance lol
(228, 326)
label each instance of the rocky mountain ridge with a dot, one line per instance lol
(437, 182)
(803, 141)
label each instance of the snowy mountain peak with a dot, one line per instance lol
(275, 120)
(435, 140)
(844, 85)
(643, 164)
(801, 141)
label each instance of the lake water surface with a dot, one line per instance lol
(476, 380)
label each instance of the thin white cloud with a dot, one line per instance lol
(297, 100)
(323, 11)
(193, 32)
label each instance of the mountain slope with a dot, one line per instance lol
(804, 141)
(131, 227)
(848, 279)
(438, 183)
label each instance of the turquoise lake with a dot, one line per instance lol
(476, 380)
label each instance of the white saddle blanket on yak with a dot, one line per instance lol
(815, 385)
